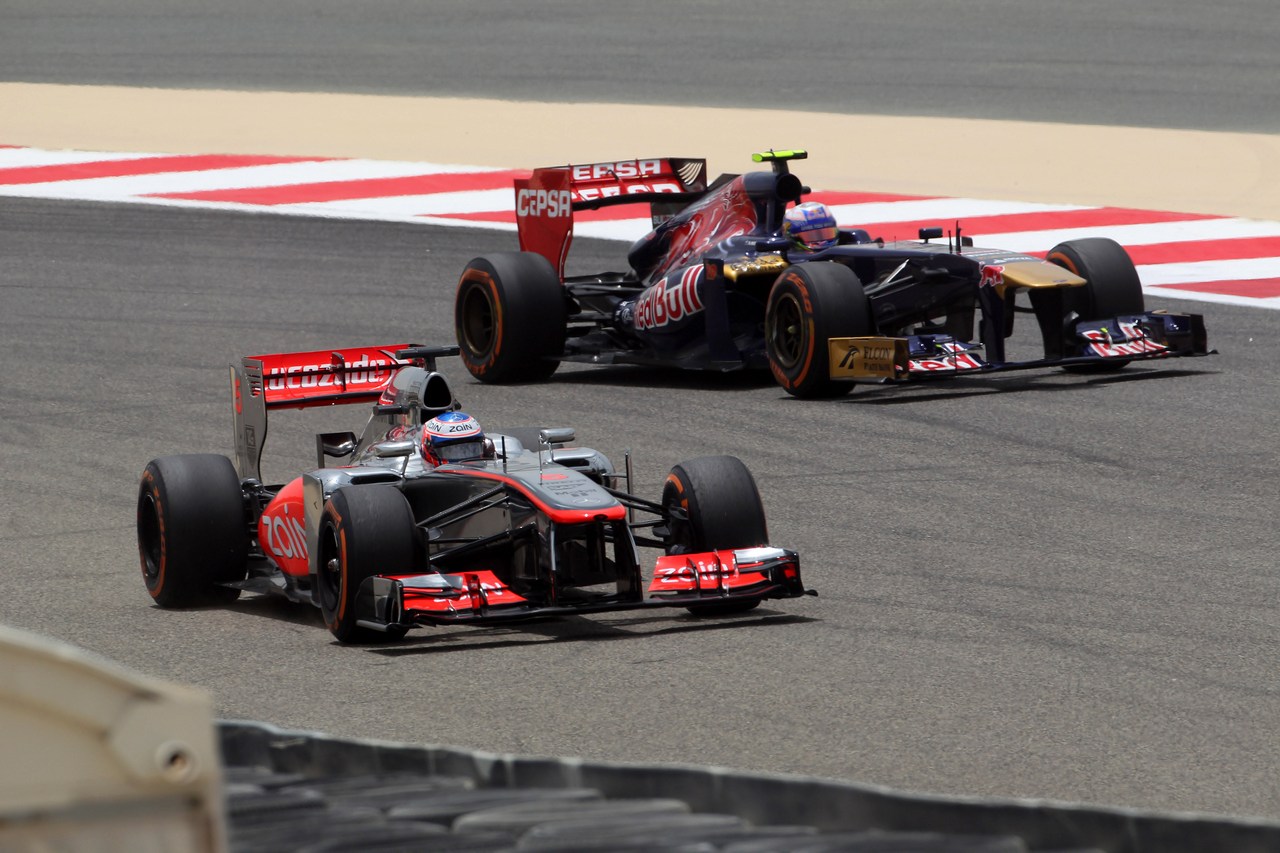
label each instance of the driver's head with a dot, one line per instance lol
(811, 226)
(453, 437)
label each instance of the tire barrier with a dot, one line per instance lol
(97, 758)
(325, 793)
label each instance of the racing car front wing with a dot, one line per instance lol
(726, 577)
(1152, 335)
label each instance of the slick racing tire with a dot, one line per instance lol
(192, 530)
(364, 531)
(1112, 287)
(712, 503)
(808, 304)
(509, 317)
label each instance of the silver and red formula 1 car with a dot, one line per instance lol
(430, 520)
(717, 284)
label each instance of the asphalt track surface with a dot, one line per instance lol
(1174, 63)
(1035, 585)
(1032, 585)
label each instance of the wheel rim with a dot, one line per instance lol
(149, 537)
(478, 324)
(681, 531)
(786, 333)
(329, 570)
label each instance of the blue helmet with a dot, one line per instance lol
(811, 226)
(453, 437)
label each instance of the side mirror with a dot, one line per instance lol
(337, 445)
(392, 449)
(933, 233)
(556, 435)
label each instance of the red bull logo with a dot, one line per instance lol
(669, 302)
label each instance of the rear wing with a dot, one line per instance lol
(547, 199)
(303, 380)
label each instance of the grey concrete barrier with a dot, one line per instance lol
(96, 758)
(759, 798)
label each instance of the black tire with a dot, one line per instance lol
(808, 304)
(192, 530)
(509, 317)
(364, 531)
(722, 509)
(1112, 287)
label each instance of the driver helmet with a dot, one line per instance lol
(453, 437)
(811, 226)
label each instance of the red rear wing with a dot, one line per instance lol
(546, 200)
(300, 380)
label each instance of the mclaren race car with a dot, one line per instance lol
(720, 283)
(430, 520)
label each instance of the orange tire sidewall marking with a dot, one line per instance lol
(778, 375)
(807, 304)
(342, 574)
(497, 320)
(336, 518)
(1062, 260)
(675, 481)
(484, 279)
(683, 498)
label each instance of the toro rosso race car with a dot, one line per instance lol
(430, 520)
(741, 274)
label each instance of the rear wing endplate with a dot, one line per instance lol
(303, 380)
(547, 199)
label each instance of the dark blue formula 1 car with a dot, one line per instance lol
(723, 282)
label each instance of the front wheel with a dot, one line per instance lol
(1112, 287)
(712, 503)
(364, 531)
(192, 530)
(509, 317)
(809, 304)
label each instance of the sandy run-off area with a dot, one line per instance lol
(1232, 174)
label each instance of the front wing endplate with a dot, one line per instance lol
(868, 358)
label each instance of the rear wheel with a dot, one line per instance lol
(192, 530)
(364, 531)
(808, 304)
(1112, 287)
(509, 317)
(712, 503)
